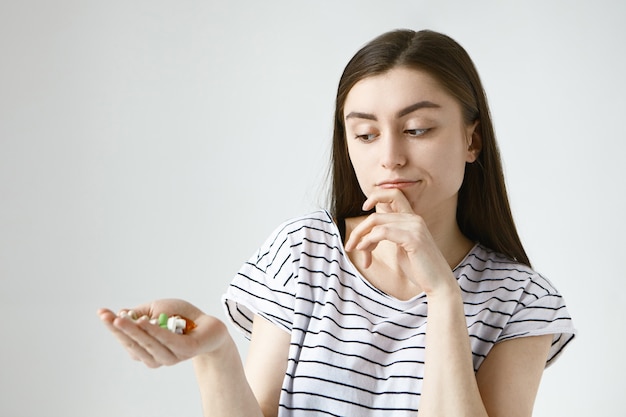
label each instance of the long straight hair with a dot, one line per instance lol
(483, 210)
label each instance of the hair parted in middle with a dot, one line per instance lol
(483, 210)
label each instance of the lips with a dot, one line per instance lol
(396, 183)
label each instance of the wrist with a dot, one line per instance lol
(215, 339)
(220, 358)
(445, 292)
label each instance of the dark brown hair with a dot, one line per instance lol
(483, 210)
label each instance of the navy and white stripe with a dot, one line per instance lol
(356, 350)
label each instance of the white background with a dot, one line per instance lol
(148, 147)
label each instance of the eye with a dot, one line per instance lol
(415, 132)
(366, 137)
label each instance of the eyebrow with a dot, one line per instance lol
(407, 110)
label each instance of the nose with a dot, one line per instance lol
(393, 152)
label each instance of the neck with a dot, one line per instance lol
(454, 246)
(452, 243)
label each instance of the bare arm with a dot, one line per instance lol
(266, 363)
(224, 387)
(509, 377)
(227, 391)
(506, 383)
(450, 386)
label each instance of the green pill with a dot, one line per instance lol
(163, 320)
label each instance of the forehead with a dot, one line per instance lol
(396, 89)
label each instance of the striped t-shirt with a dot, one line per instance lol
(354, 349)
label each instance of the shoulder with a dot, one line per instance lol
(293, 232)
(505, 299)
(484, 258)
(316, 223)
(486, 268)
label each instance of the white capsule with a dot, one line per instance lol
(128, 314)
(175, 324)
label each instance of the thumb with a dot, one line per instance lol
(388, 201)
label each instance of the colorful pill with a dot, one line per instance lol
(163, 320)
(175, 324)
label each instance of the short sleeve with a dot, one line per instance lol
(540, 311)
(264, 286)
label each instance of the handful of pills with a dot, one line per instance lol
(175, 324)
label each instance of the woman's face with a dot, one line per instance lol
(404, 131)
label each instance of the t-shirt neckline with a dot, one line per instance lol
(357, 273)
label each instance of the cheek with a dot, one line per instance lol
(450, 166)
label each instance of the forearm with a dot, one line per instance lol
(450, 387)
(224, 388)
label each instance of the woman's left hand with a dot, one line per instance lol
(395, 221)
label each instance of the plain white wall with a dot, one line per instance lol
(148, 147)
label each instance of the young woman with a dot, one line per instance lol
(413, 294)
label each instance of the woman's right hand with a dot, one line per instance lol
(155, 346)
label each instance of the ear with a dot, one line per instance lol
(474, 141)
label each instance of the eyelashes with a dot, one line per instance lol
(366, 137)
(416, 132)
(412, 133)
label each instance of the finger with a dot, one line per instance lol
(106, 315)
(108, 318)
(368, 258)
(144, 310)
(395, 228)
(358, 232)
(112, 322)
(388, 201)
(130, 336)
(144, 345)
(172, 348)
(373, 237)
(366, 226)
